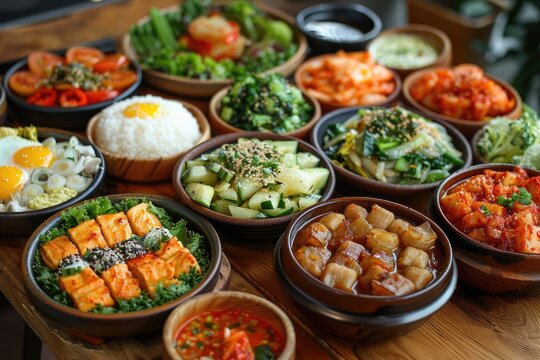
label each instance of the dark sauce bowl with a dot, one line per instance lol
(355, 15)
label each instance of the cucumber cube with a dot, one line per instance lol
(200, 193)
(214, 167)
(284, 146)
(320, 177)
(264, 199)
(307, 160)
(228, 194)
(243, 213)
(221, 206)
(247, 188)
(306, 201)
(200, 174)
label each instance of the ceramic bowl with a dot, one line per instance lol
(123, 324)
(220, 126)
(228, 300)
(467, 127)
(206, 88)
(434, 36)
(141, 169)
(252, 230)
(24, 223)
(370, 186)
(483, 266)
(352, 14)
(74, 118)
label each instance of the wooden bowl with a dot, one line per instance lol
(483, 266)
(141, 169)
(122, 324)
(24, 223)
(371, 186)
(69, 118)
(206, 88)
(434, 36)
(252, 230)
(467, 127)
(220, 126)
(328, 106)
(229, 300)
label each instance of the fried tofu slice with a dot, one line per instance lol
(86, 236)
(176, 255)
(151, 271)
(141, 220)
(121, 282)
(169, 249)
(114, 227)
(55, 250)
(86, 289)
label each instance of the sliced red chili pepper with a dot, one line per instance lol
(43, 97)
(73, 98)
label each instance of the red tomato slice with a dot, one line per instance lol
(73, 98)
(201, 47)
(24, 83)
(234, 34)
(111, 63)
(42, 62)
(87, 56)
(100, 95)
(43, 97)
(120, 79)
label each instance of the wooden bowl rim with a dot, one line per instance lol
(204, 128)
(171, 326)
(306, 216)
(220, 140)
(470, 171)
(413, 77)
(275, 13)
(452, 131)
(215, 105)
(302, 68)
(31, 285)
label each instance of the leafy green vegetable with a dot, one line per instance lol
(243, 12)
(522, 196)
(192, 9)
(48, 281)
(163, 29)
(278, 31)
(263, 352)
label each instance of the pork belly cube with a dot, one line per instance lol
(420, 277)
(398, 226)
(353, 211)
(392, 285)
(312, 259)
(86, 236)
(347, 261)
(382, 238)
(533, 187)
(151, 271)
(114, 227)
(385, 255)
(421, 237)
(332, 220)
(141, 220)
(368, 262)
(373, 273)
(341, 234)
(527, 239)
(352, 249)
(339, 276)
(55, 250)
(360, 229)
(86, 290)
(411, 256)
(379, 217)
(121, 282)
(456, 205)
(316, 234)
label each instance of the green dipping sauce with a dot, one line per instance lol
(402, 51)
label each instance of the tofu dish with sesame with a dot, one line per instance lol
(368, 252)
(392, 145)
(254, 179)
(118, 258)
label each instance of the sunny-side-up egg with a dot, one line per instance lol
(18, 158)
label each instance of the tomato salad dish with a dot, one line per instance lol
(498, 208)
(84, 76)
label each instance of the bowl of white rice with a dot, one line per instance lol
(143, 137)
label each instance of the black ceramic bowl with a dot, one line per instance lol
(75, 118)
(371, 186)
(361, 327)
(123, 324)
(351, 14)
(24, 223)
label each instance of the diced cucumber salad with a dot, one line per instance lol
(254, 179)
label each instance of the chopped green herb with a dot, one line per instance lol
(484, 209)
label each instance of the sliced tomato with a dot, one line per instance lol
(111, 63)
(24, 83)
(73, 98)
(87, 56)
(43, 97)
(201, 47)
(42, 62)
(120, 79)
(234, 34)
(100, 96)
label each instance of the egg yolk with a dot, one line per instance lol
(142, 110)
(33, 156)
(11, 180)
